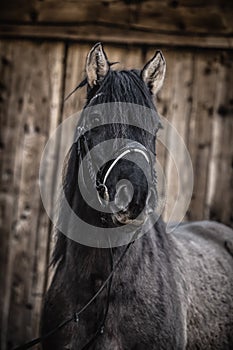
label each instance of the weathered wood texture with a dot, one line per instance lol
(209, 23)
(176, 105)
(31, 86)
(196, 98)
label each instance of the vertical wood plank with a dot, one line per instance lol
(169, 104)
(32, 113)
(75, 73)
(178, 181)
(219, 200)
(200, 129)
(44, 238)
(9, 139)
(163, 100)
(164, 103)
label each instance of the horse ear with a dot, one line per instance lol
(154, 72)
(97, 65)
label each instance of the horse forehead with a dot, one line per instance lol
(120, 117)
(120, 85)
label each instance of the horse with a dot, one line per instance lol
(168, 290)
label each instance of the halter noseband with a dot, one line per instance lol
(131, 150)
(122, 154)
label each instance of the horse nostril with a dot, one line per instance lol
(124, 194)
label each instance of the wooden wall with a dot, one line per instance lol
(208, 23)
(35, 76)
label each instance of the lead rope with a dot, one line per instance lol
(76, 315)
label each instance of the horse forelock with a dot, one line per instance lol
(126, 87)
(121, 86)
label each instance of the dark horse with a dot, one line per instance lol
(169, 291)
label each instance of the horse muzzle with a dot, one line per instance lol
(125, 184)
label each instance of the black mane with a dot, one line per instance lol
(122, 86)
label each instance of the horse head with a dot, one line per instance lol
(113, 155)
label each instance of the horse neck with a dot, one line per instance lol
(86, 261)
(82, 261)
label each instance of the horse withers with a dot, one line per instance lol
(168, 291)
